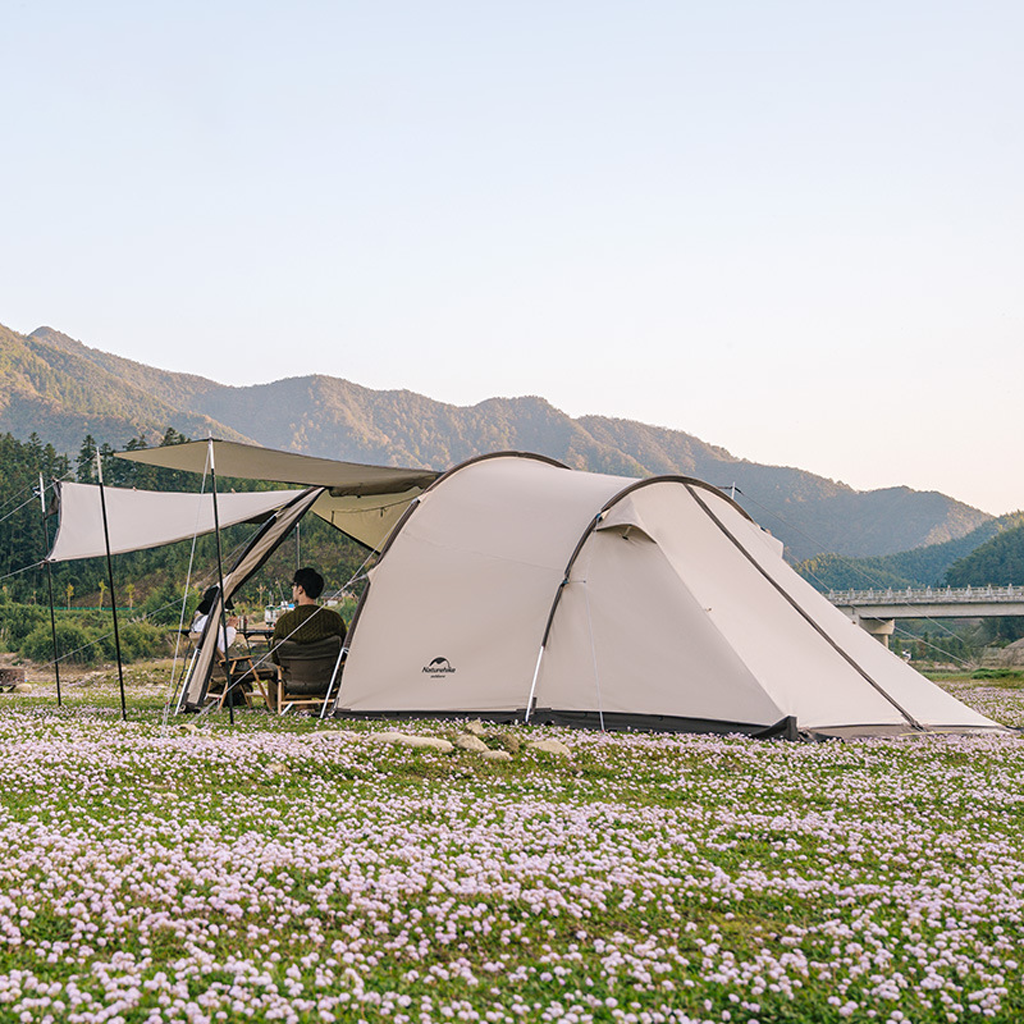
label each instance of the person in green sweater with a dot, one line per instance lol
(307, 622)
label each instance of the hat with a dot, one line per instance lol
(210, 595)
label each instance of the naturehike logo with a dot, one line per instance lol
(438, 668)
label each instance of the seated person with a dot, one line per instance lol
(307, 622)
(203, 613)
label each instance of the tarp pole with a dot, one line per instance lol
(110, 579)
(49, 587)
(228, 684)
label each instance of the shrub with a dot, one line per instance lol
(138, 640)
(17, 621)
(87, 639)
(75, 644)
(996, 673)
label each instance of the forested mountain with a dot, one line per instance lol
(63, 390)
(50, 390)
(922, 567)
(999, 561)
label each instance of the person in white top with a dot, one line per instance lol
(203, 613)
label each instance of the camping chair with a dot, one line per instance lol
(247, 677)
(306, 673)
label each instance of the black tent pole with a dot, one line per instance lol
(228, 695)
(49, 587)
(110, 578)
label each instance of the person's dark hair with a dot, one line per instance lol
(310, 580)
(209, 596)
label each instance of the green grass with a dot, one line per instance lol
(280, 868)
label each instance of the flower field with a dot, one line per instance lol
(285, 870)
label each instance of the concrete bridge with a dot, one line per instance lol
(877, 610)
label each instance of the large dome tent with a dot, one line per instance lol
(512, 587)
(516, 588)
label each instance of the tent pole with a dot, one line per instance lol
(110, 579)
(228, 695)
(330, 685)
(533, 686)
(49, 588)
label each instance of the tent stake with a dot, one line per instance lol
(110, 578)
(228, 684)
(49, 588)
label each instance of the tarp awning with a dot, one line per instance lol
(147, 519)
(252, 463)
(364, 502)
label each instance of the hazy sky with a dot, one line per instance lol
(795, 230)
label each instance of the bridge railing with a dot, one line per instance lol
(928, 595)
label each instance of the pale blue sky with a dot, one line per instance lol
(793, 229)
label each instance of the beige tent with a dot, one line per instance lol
(515, 588)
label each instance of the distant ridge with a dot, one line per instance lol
(933, 564)
(62, 389)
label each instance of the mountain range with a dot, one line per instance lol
(62, 390)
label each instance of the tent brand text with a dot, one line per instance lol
(438, 668)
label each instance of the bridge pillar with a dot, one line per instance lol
(880, 628)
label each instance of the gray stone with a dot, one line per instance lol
(509, 741)
(467, 741)
(496, 755)
(406, 740)
(476, 727)
(550, 747)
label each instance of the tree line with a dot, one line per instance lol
(149, 583)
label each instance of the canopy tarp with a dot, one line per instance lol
(252, 463)
(147, 519)
(362, 501)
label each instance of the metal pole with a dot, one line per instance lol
(228, 684)
(330, 685)
(533, 685)
(49, 588)
(110, 579)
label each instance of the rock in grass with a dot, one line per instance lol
(467, 741)
(22, 688)
(406, 740)
(476, 727)
(506, 740)
(496, 755)
(551, 747)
